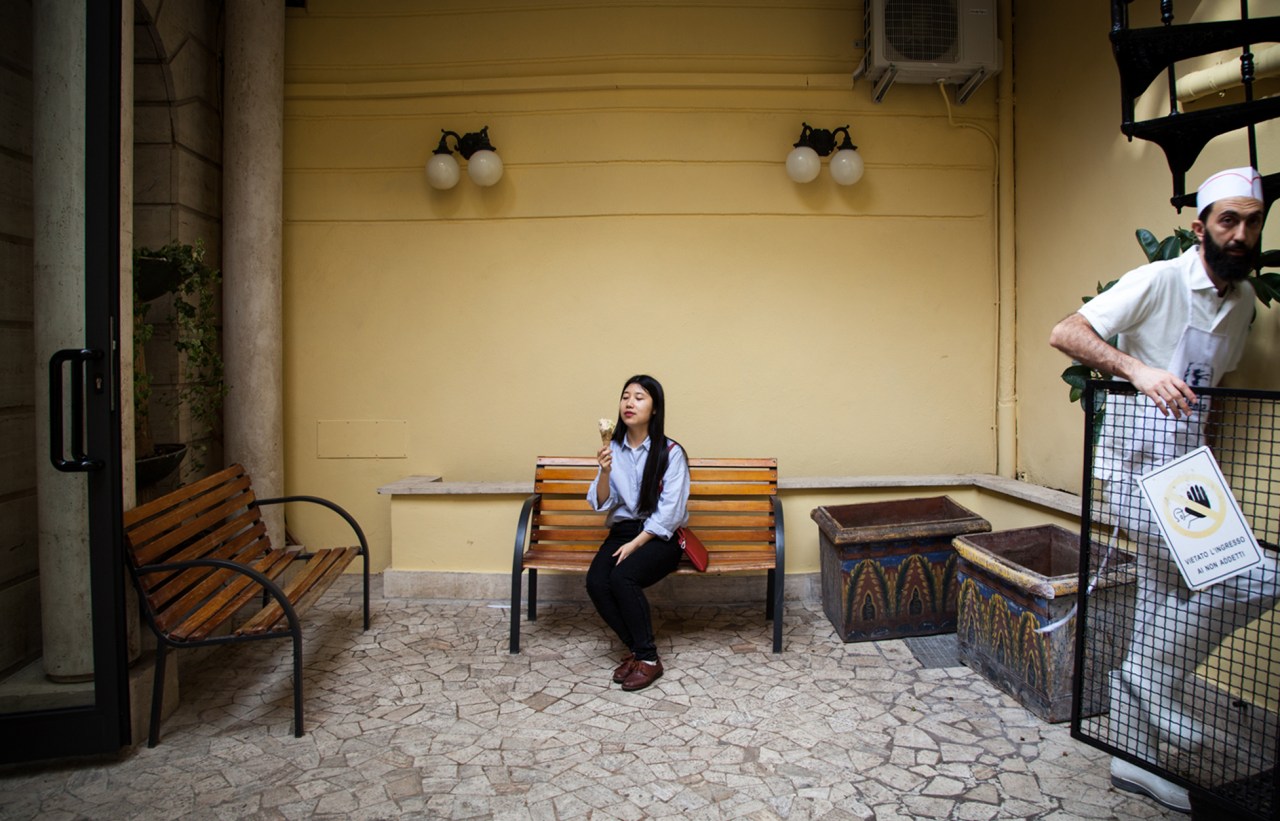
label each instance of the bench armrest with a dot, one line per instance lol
(779, 538)
(316, 500)
(350, 520)
(522, 532)
(268, 585)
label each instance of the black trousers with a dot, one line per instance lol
(618, 589)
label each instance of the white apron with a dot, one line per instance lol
(1198, 359)
(1137, 437)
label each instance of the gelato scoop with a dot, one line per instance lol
(606, 430)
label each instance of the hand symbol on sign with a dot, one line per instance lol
(1197, 494)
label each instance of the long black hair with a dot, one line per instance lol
(655, 465)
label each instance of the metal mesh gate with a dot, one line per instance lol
(1186, 684)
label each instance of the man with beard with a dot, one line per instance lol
(1179, 324)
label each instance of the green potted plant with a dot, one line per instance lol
(179, 270)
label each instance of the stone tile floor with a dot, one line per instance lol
(428, 716)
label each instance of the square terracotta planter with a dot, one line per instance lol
(1015, 582)
(889, 568)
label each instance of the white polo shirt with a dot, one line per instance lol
(1149, 307)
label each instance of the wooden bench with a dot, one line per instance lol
(200, 554)
(733, 508)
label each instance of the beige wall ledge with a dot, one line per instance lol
(1057, 500)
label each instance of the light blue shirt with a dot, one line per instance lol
(624, 489)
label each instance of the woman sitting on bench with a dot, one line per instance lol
(647, 498)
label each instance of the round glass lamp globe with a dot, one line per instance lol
(484, 168)
(846, 167)
(442, 171)
(803, 164)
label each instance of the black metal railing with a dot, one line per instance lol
(1190, 679)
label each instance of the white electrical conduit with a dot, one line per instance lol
(1219, 78)
(1093, 582)
(1004, 381)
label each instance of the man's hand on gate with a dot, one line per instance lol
(1169, 393)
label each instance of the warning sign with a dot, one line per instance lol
(1200, 519)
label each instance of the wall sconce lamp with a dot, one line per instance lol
(484, 166)
(804, 162)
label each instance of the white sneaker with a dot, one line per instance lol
(1132, 778)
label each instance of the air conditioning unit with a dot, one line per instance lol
(930, 41)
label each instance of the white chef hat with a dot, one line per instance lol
(1234, 182)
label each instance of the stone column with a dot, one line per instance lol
(252, 168)
(58, 213)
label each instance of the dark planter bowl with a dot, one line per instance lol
(155, 277)
(151, 469)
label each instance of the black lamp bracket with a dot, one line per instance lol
(823, 141)
(465, 144)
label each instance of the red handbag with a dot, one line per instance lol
(691, 544)
(694, 549)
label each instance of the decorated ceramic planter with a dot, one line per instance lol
(889, 568)
(1016, 583)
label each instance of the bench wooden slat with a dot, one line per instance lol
(302, 590)
(733, 489)
(734, 505)
(701, 519)
(239, 590)
(569, 519)
(153, 541)
(557, 472)
(734, 563)
(565, 488)
(163, 588)
(175, 498)
(544, 462)
(726, 548)
(580, 489)
(544, 535)
(713, 537)
(697, 519)
(749, 557)
(699, 475)
(146, 520)
(176, 594)
(162, 547)
(233, 539)
(580, 503)
(334, 565)
(576, 561)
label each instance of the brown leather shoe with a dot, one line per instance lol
(642, 675)
(624, 669)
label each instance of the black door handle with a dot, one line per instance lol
(79, 461)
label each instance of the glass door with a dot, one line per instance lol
(62, 625)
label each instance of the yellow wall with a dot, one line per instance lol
(645, 224)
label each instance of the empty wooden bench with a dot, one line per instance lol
(733, 508)
(200, 554)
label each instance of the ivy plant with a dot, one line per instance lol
(180, 270)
